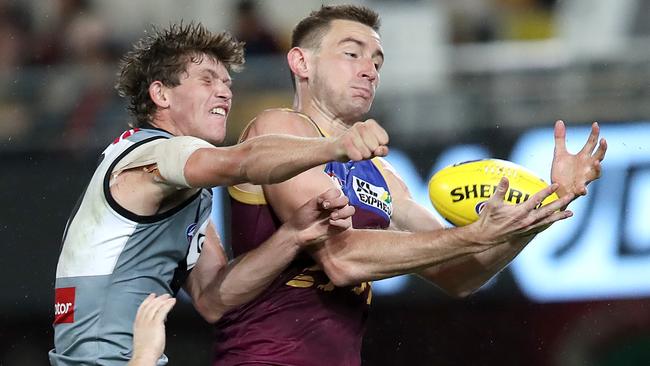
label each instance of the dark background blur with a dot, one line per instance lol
(463, 79)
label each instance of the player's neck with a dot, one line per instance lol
(166, 125)
(326, 120)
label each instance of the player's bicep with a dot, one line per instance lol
(288, 196)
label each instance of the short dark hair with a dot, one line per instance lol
(310, 31)
(164, 55)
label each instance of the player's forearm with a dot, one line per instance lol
(366, 255)
(261, 160)
(466, 274)
(246, 277)
(275, 158)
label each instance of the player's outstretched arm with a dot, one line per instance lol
(460, 276)
(362, 255)
(217, 287)
(276, 158)
(159, 168)
(573, 172)
(149, 329)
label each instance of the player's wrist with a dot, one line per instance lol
(336, 150)
(290, 236)
(473, 237)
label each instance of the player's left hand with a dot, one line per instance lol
(573, 172)
(321, 217)
(149, 329)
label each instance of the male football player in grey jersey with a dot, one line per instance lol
(143, 220)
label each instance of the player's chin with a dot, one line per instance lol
(216, 133)
(358, 107)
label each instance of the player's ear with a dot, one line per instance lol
(297, 59)
(158, 94)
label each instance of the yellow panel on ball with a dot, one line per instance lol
(458, 192)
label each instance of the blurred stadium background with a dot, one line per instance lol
(463, 79)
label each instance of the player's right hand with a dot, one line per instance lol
(500, 222)
(364, 140)
(321, 217)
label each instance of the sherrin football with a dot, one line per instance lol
(459, 192)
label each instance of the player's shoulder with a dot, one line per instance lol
(282, 120)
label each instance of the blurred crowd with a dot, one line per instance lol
(55, 77)
(57, 67)
(57, 73)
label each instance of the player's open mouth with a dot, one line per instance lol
(219, 111)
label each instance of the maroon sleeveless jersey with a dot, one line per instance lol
(301, 318)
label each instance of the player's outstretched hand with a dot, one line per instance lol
(573, 172)
(321, 217)
(500, 222)
(149, 329)
(364, 140)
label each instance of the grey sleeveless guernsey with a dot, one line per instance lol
(111, 259)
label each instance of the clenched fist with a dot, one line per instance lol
(364, 140)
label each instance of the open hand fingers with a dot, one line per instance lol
(545, 221)
(560, 137)
(602, 149)
(342, 213)
(163, 308)
(151, 305)
(552, 207)
(590, 145)
(341, 225)
(499, 195)
(540, 196)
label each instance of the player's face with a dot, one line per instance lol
(346, 71)
(199, 106)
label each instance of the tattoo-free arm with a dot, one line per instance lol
(217, 286)
(277, 157)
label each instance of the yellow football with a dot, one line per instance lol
(459, 192)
